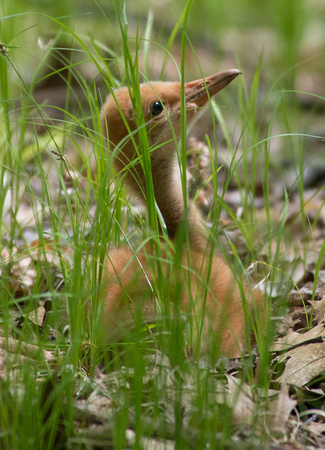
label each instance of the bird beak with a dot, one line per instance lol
(199, 91)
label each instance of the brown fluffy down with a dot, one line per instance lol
(209, 295)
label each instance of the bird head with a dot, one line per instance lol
(161, 109)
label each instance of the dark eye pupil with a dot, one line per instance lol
(156, 108)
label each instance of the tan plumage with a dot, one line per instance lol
(208, 292)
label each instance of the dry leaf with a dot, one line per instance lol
(319, 310)
(317, 428)
(11, 361)
(298, 338)
(94, 409)
(305, 363)
(240, 400)
(36, 316)
(280, 410)
(22, 348)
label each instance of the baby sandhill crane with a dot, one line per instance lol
(209, 295)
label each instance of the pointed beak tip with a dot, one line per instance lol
(236, 72)
(227, 75)
(230, 75)
(198, 91)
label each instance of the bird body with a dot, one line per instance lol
(197, 279)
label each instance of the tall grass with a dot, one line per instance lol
(34, 411)
(80, 210)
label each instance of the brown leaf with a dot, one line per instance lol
(321, 276)
(37, 316)
(305, 363)
(319, 310)
(317, 428)
(240, 400)
(298, 338)
(280, 410)
(31, 351)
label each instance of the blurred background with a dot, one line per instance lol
(288, 35)
(279, 46)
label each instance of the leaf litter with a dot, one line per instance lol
(300, 352)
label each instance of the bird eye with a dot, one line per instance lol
(156, 108)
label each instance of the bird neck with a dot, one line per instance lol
(168, 194)
(170, 200)
(168, 191)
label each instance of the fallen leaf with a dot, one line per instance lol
(321, 276)
(317, 428)
(294, 338)
(240, 400)
(37, 316)
(305, 363)
(319, 310)
(280, 410)
(31, 351)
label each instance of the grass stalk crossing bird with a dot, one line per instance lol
(200, 282)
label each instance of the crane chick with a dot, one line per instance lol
(210, 297)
